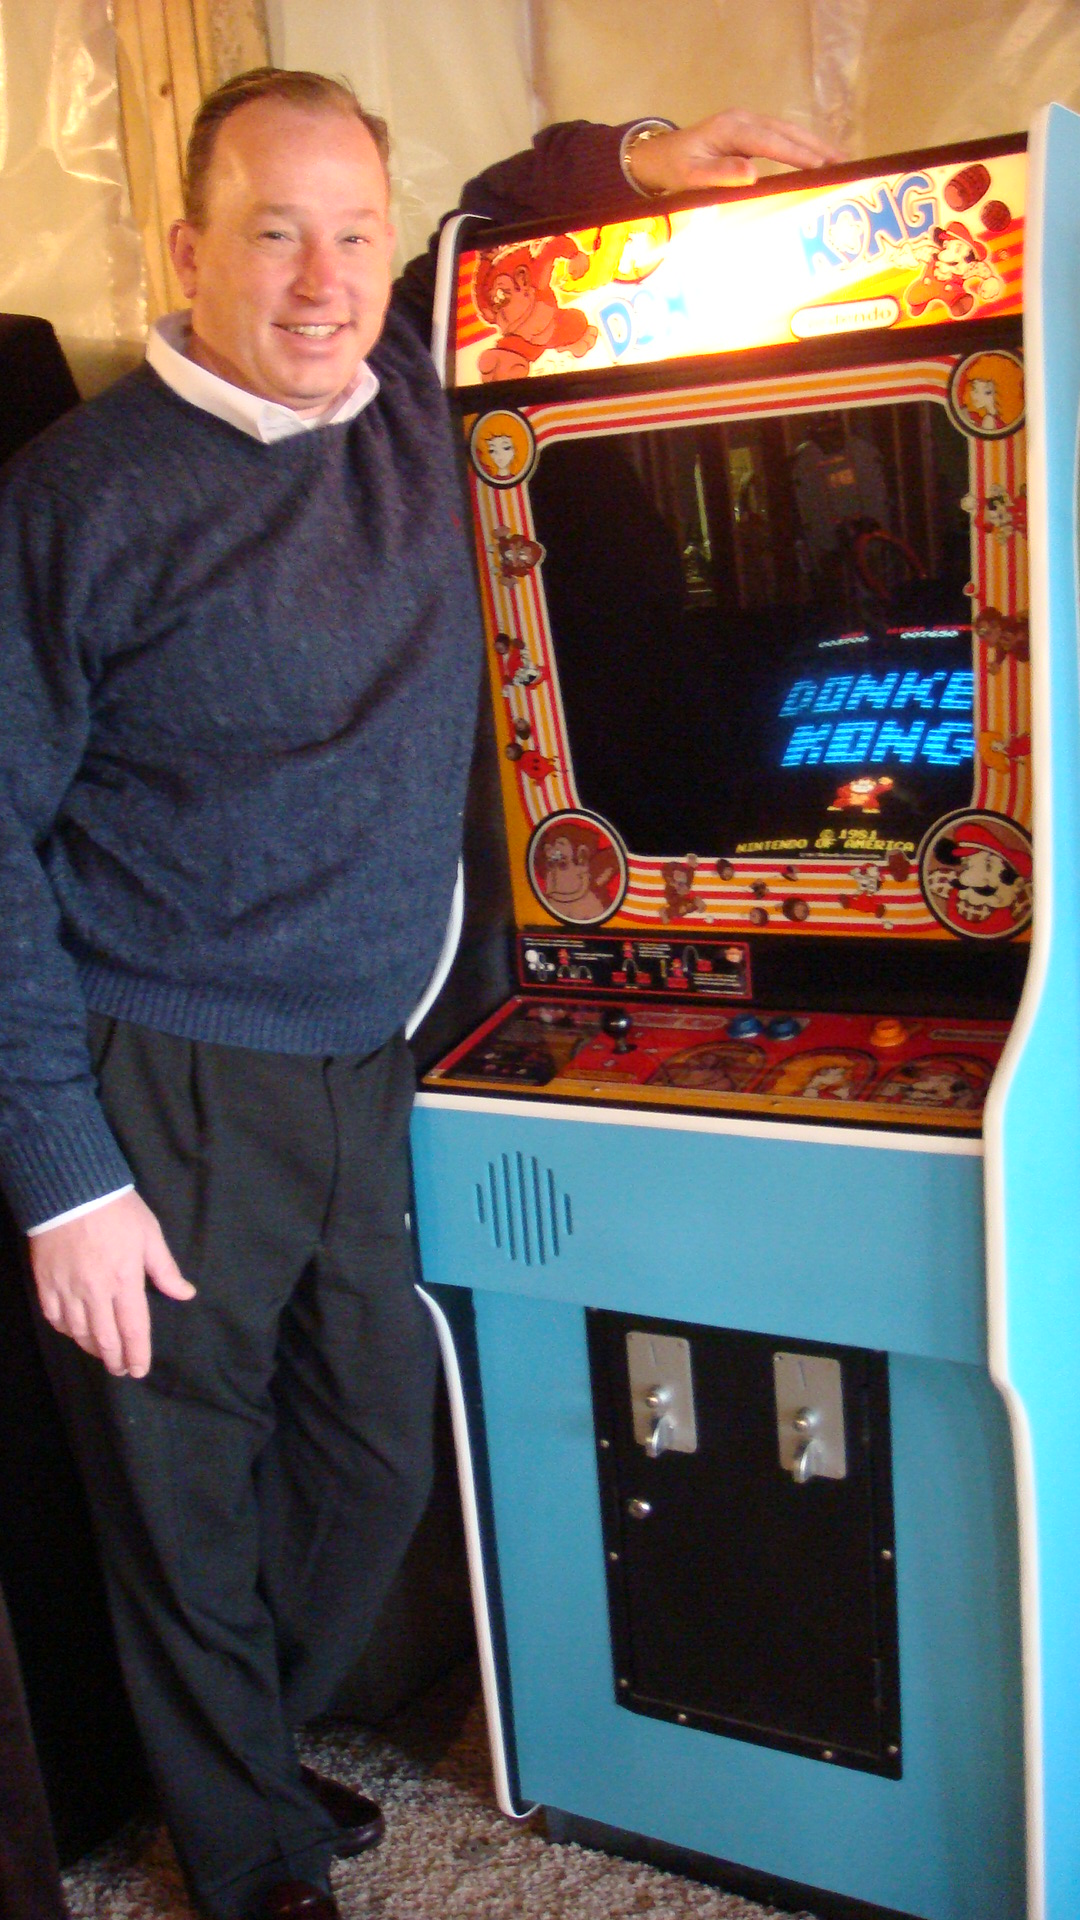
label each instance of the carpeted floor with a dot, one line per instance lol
(448, 1853)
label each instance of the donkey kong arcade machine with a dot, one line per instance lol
(750, 1223)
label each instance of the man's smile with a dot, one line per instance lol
(312, 330)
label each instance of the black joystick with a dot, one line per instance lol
(617, 1023)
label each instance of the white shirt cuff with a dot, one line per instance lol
(76, 1213)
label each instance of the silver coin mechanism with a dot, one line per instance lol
(810, 1424)
(661, 1393)
(810, 1416)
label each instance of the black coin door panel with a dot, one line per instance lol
(747, 1503)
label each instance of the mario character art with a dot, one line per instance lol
(867, 895)
(943, 1081)
(519, 669)
(975, 871)
(512, 292)
(999, 513)
(830, 1083)
(955, 273)
(629, 974)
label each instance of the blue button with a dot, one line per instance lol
(745, 1026)
(784, 1027)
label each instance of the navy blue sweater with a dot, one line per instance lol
(245, 677)
(238, 687)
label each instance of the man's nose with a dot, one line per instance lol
(318, 271)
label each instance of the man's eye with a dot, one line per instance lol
(358, 239)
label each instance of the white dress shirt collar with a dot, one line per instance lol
(265, 420)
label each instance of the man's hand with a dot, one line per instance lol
(91, 1276)
(720, 152)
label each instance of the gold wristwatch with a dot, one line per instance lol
(633, 138)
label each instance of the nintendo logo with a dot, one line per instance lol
(845, 316)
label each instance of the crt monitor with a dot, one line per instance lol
(751, 616)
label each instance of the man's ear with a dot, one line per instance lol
(183, 241)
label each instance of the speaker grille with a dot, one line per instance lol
(519, 1205)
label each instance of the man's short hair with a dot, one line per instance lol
(315, 91)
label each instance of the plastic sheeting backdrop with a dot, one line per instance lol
(880, 78)
(464, 81)
(68, 246)
(452, 78)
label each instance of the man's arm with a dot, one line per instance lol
(56, 1148)
(575, 166)
(721, 152)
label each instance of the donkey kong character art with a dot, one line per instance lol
(512, 291)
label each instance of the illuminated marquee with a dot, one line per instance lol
(914, 248)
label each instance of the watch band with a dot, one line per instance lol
(634, 136)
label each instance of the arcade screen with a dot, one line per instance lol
(750, 616)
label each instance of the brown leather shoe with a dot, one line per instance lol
(294, 1900)
(360, 1822)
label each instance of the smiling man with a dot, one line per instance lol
(240, 660)
(288, 291)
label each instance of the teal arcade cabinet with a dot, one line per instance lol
(751, 1222)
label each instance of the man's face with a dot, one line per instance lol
(289, 277)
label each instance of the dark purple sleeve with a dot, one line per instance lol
(571, 172)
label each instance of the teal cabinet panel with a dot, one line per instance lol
(876, 1246)
(945, 1841)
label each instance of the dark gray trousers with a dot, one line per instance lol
(253, 1496)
